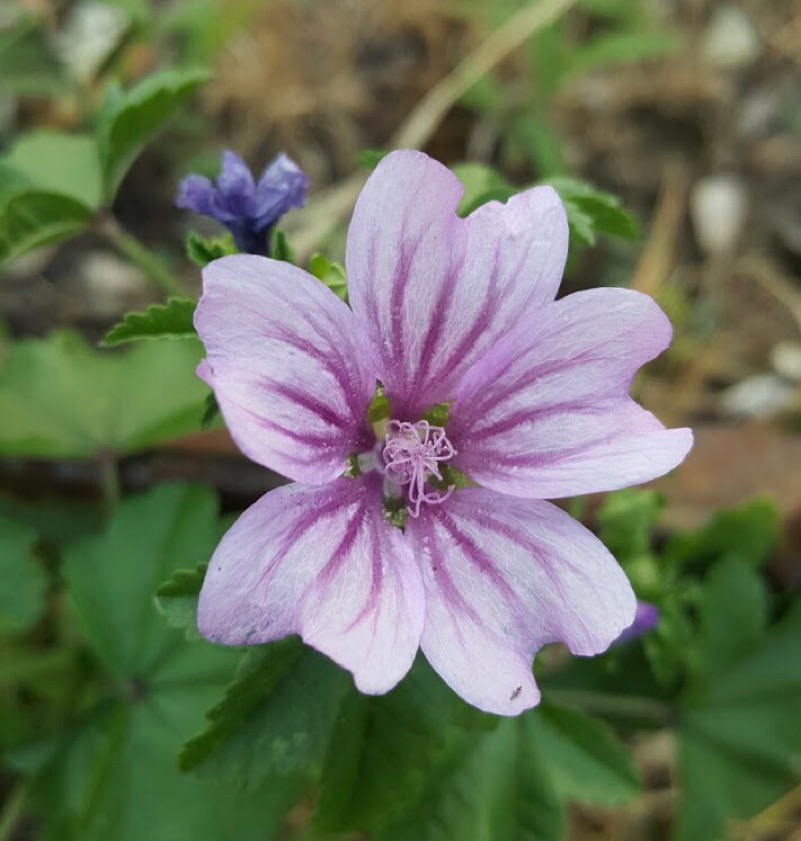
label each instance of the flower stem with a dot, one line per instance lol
(12, 810)
(612, 706)
(110, 480)
(139, 255)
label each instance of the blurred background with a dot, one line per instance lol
(687, 111)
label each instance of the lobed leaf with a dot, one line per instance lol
(202, 250)
(59, 398)
(23, 582)
(115, 776)
(33, 218)
(275, 718)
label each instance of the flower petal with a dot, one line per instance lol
(197, 193)
(282, 185)
(547, 412)
(434, 291)
(286, 364)
(503, 577)
(321, 562)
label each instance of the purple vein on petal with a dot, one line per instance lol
(334, 505)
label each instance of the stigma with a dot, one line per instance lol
(412, 455)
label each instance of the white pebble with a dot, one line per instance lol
(759, 396)
(730, 40)
(718, 208)
(786, 360)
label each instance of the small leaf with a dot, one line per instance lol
(22, 580)
(621, 48)
(28, 64)
(481, 184)
(330, 273)
(280, 248)
(172, 320)
(602, 209)
(378, 409)
(31, 219)
(176, 598)
(370, 158)
(437, 415)
(627, 519)
(202, 250)
(211, 411)
(130, 119)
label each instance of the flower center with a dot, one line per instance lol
(412, 454)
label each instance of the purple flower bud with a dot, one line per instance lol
(248, 209)
(646, 617)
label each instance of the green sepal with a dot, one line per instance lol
(203, 250)
(330, 273)
(280, 248)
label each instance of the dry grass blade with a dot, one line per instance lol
(332, 205)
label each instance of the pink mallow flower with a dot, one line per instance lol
(443, 310)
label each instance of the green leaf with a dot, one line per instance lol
(211, 410)
(586, 761)
(626, 520)
(511, 784)
(176, 598)
(497, 790)
(386, 750)
(275, 718)
(370, 158)
(330, 273)
(280, 248)
(59, 398)
(22, 580)
(603, 210)
(116, 777)
(202, 250)
(481, 184)
(739, 739)
(172, 320)
(129, 120)
(31, 219)
(64, 164)
(28, 65)
(621, 48)
(734, 615)
(113, 578)
(750, 531)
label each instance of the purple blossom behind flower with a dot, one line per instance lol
(646, 617)
(248, 209)
(444, 310)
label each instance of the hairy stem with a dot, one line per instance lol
(12, 810)
(612, 706)
(140, 256)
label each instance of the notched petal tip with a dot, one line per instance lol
(503, 578)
